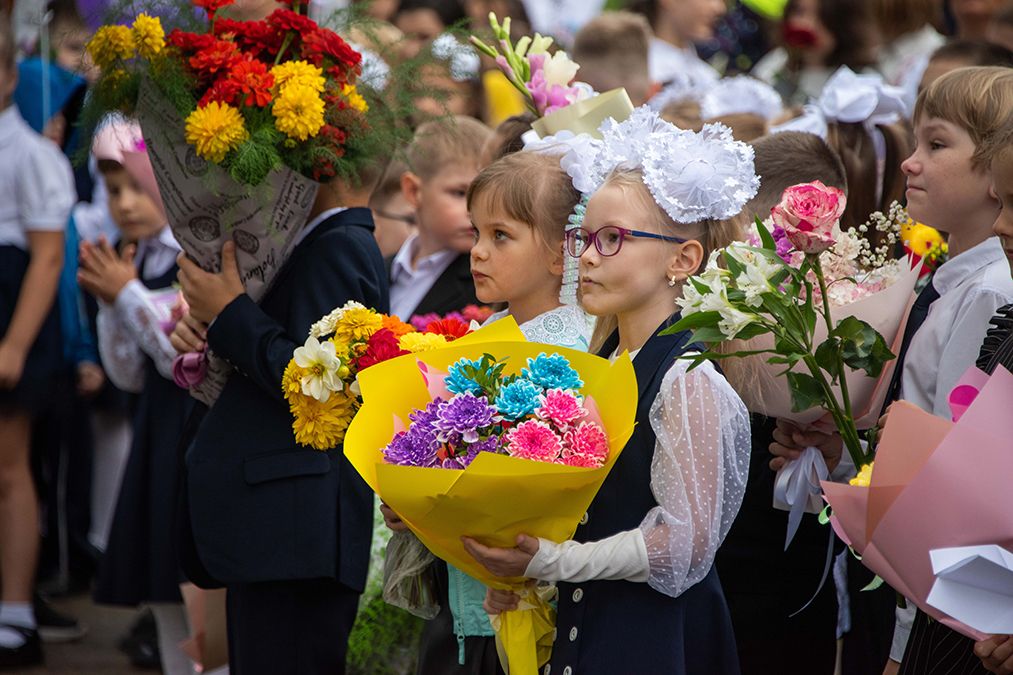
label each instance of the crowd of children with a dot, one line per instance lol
(679, 565)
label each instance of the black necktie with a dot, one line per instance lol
(919, 310)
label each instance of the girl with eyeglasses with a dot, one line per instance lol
(637, 588)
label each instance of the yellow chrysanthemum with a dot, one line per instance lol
(421, 342)
(920, 238)
(355, 99)
(291, 386)
(109, 44)
(298, 111)
(864, 476)
(214, 130)
(298, 72)
(358, 324)
(322, 425)
(396, 326)
(148, 36)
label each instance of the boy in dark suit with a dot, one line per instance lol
(431, 273)
(285, 528)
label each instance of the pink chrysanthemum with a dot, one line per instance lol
(535, 440)
(561, 407)
(583, 461)
(589, 440)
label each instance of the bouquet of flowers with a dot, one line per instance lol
(320, 381)
(240, 120)
(780, 298)
(492, 416)
(476, 313)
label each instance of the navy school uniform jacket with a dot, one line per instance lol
(262, 507)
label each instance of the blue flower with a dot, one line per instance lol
(552, 372)
(517, 399)
(460, 383)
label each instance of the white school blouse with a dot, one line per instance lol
(36, 182)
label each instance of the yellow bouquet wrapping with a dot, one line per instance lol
(497, 496)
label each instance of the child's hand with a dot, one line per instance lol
(188, 335)
(90, 378)
(497, 601)
(996, 654)
(12, 364)
(504, 562)
(790, 440)
(103, 272)
(391, 519)
(208, 294)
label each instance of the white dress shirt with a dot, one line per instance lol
(667, 62)
(410, 283)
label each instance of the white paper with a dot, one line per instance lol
(974, 585)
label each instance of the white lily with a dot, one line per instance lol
(734, 320)
(322, 362)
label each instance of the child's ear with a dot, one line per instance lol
(686, 261)
(557, 261)
(411, 188)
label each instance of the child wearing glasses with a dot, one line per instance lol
(518, 207)
(637, 588)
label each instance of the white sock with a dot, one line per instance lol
(15, 614)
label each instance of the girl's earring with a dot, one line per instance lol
(672, 281)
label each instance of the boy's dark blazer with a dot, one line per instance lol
(262, 507)
(453, 290)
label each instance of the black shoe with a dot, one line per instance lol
(141, 644)
(54, 626)
(28, 654)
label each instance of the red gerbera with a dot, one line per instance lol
(253, 79)
(448, 328)
(212, 6)
(224, 90)
(220, 55)
(382, 346)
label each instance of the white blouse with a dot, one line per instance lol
(36, 182)
(698, 477)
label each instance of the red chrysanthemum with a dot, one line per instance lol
(448, 328)
(333, 136)
(189, 42)
(212, 6)
(224, 90)
(221, 55)
(253, 79)
(382, 346)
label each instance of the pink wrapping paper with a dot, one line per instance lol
(936, 484)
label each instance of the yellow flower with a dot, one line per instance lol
(920, 238)
(148, 35)
(291, 381)
(355, 99)
(358, 324)
(421, 342)
(109, 44)
(322, 425)
(298, 111)
(214, 130)
(864, 476)
(298, 72)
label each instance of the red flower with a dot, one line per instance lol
(220, 55)
(224, 90)
(252, 78)
(189, 42)
(382, 346)
(320, 43)
(334, 136)
(287, 20)
(212, 6)
(252, 36)
(448, 328)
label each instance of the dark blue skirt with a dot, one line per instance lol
(44, 360)
(610, 627)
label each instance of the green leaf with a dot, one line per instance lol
(828, 357)
(751, 331)
(874, 584)
(695, 320)
(766, 238)
(806, 391)
(709, 335)
(862, 347)
(733, 266)
(825, 514)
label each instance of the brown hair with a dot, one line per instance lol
(975, 53)
(612, 50)
(854, 34)
(712, 235)
(529, 187)
(898, 17)
(976, 99)
(684, 114)
(789, 158)
(389, 184)
(442, 142)
(508, 136)
(745, 127)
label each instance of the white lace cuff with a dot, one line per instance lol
(622, 556)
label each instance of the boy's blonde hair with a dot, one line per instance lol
(976, 99)
(612, 52)
(712, 235)
(440, 143)
(529, 187)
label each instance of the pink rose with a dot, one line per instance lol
(809, 213)
(189, 370)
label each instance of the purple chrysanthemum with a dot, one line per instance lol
(416, 447)
(465, 415)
